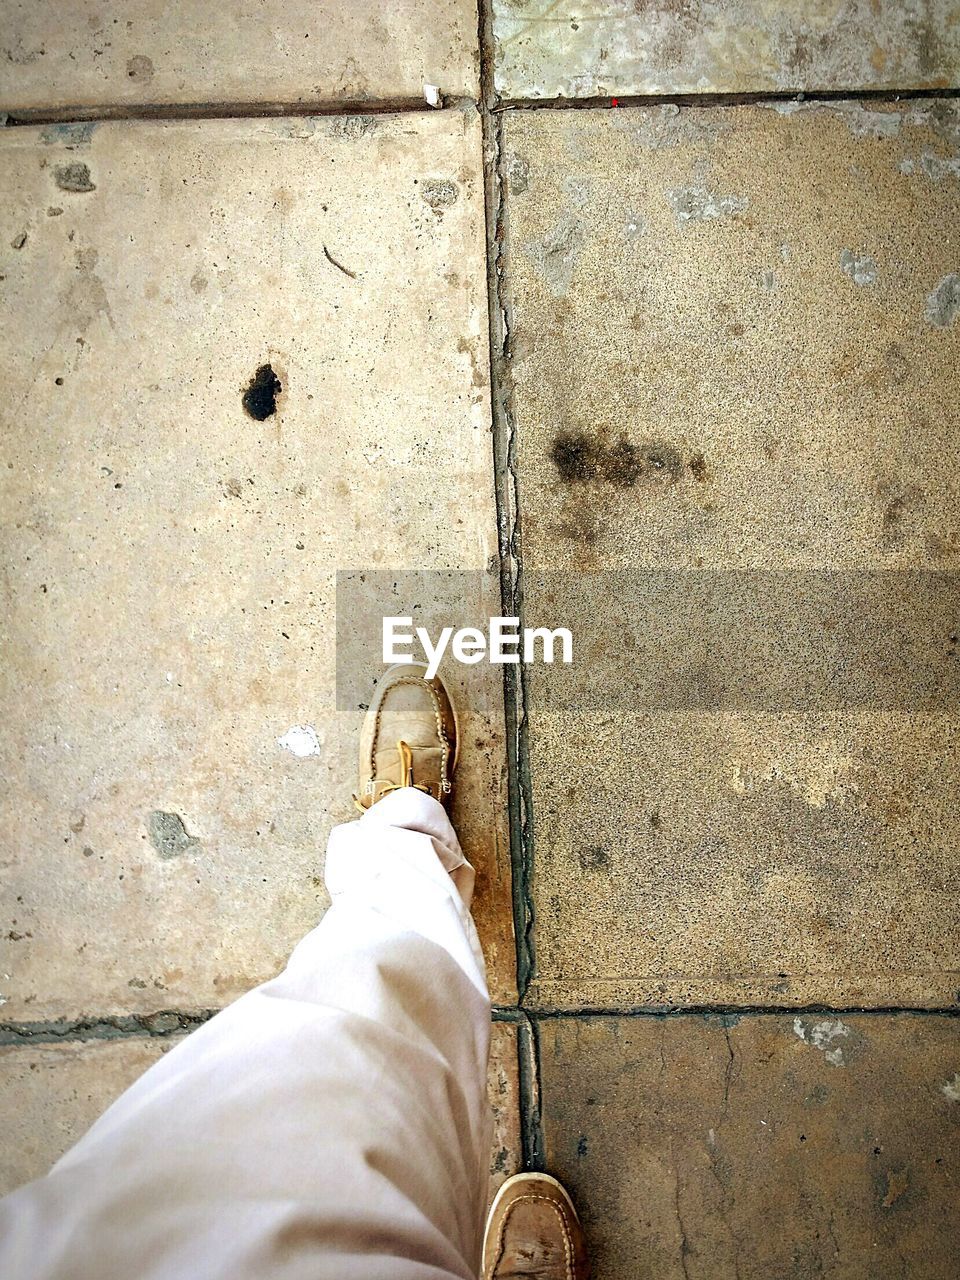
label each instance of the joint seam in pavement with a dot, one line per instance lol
(508, 519)
(724, 1011)
(759, 97)
(490, 104)
(13, 116)
(519, 806)
(166, 1022)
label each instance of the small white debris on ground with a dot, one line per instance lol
(860, 267)
(827, 1036)
(951, 1089)
(302, 740)
(431, 95)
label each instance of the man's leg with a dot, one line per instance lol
(331, 1123)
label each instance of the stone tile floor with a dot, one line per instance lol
(248, 273)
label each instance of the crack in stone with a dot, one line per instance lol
(684, 1243)
(165, 1022)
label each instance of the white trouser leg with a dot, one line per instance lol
(330, 1125)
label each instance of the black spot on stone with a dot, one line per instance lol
(260, 397)
(575, 457)
(582, 1147)
(579, 459)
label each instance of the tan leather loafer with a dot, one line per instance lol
(409, 737)
(533, 1232)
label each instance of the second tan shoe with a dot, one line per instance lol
(533, 1232)
(409, 737)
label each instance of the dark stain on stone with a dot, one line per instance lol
(896, 501)
(699, 469)
(580, 458)
(664, 460)
(582, 1146)
(575, 457)
(622, 464)
(582, 529)
(168, 835)
(897, 1185)
(260, 397)
(593, 857)
(74, 177)
(893, 510)
(896, 362)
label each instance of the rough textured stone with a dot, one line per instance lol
(259, 51)
(574, 50)
(744, 293)
(503, 1082)
(168, 606)
(714, 1149)
(54, 1092)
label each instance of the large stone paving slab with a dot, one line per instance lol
(741, 1149)
(54, 1092)
(761, 309)
(169, 599)
(572, 49)
(73, 55)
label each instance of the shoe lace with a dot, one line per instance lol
(406, 774)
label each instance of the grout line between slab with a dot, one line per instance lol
(548, 1013)
(758, 98)
(508, 516)
(520, 813)
(166, 1022)
(531, 1114)
(490, 104)
(170, 1022)
(13, 117)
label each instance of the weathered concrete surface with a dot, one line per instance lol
(68, 54)
(168, 604)
(702, 1150)
(54, 1092)
(503, 1084)
(758, 308)
(576, 50)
